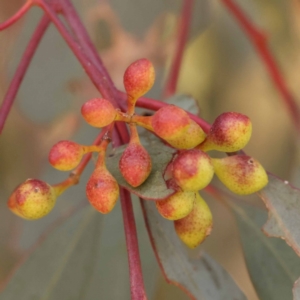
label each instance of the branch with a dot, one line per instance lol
(18, 15)
(83, 38)
(21, 70)
(107, 89)
(86, 54)
(74, 176)
(100, 78)
(137, 288)
(80, 168)
(86, 63)
(259, 41)
(184, 25)
(136, 279)
(96, 71)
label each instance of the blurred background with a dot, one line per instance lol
(220, 69)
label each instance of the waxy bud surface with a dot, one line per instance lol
(135, 164)
(230, 132)
(102, 190)
(177, 206)
(192, 170)
(32, 199)
(241, 174)
(139, 78)
(65, 155)
(196, 226)
(98, 112)
(170, 122)
(193, 136)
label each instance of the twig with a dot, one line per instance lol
(21, 70)
(184, 25)
(259, 41)
(80, 168)
(84, 40)
(81, 46)
(87, 64)
(137, 288)
(19, 14)
(101, 79)
(136, 280)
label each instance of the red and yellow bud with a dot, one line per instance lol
(177, 206)
(32, 199)
(135, 163)
(98, 112)
(66, 155)
(230, 132)
(241, 174)
(170, 122)
(192, 170)
(174, 125)
(138, 80)
(102, 190)
(196, 226)
(190, 139)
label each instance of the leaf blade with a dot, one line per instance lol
(39, 277)
(200, 279)
(272, 265)
(283, 204)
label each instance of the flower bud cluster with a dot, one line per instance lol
(193, 169)
(190, 170)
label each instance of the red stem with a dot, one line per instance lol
(84, 49)
(88, 46)
(80, 168)
(94, 68)
(122, 131)
(136, 280)
(104, 83)
(184, 25)
(137, 288)
(99, 80)
(18, 15)
(21, 70)
(259, 41)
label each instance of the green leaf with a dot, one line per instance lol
(202, 278)
(283, 203)
(62, 266)
(273, 266)
(154, 188)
